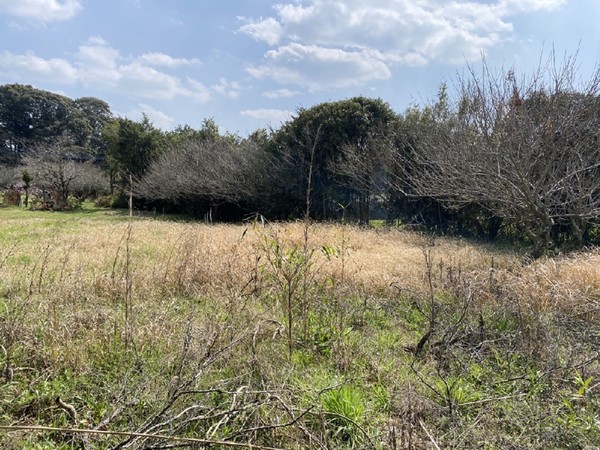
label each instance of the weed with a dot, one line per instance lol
(183, 330)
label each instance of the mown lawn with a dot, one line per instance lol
(183, 335)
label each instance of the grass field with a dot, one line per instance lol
(145, 333)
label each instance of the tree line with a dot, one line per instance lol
(501, 155)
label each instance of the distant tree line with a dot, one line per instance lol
(500, 156)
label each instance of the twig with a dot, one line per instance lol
(487, 400)
(145, 435)
(429, 435)
(68, 408)
(274, 426)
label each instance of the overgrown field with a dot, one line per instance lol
(185, 335)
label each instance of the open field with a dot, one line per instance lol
(287, 336)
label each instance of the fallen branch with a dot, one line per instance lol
(132, 434)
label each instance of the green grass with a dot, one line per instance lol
(167, 327)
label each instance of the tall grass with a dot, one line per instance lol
(183, 329)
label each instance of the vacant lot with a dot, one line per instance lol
(179, 334)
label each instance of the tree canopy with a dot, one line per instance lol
(314, 141)
(29, 116)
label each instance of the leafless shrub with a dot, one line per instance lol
(214, 170)
(527, 150)
(8, 175)
(59, 168)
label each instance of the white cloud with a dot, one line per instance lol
(158, 118)
(336, 43)
(161, 59)
(230, 89)
(271, 116)
(198, 91)
(268, 30)
(42, 10)
(320, 68)
(146, 81)
(293, 13)
(98, 65)
(516, 6)
(28, 67)
(280, 93)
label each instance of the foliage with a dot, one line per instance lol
(29, 116)
(131, 148)
(351, 123)
(345, 411)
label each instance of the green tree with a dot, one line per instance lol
(98, 115)
(29, 116)
(131, 148)
(346, 124)
(27, 179)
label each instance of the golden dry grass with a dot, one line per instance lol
(65, 282)
(220, 260)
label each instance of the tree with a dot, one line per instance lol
(362, 166)
(90, 181)
(526, 151)
(29, 116)
(8, 175)
(98, 115)
(351, 122)
(214, 171)
(55, 166)
(132, 147)
(26, 178)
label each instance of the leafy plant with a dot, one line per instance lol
(344, 410)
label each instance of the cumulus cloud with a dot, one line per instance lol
(268, 30)
(157, 117)
(317, 68)
(98, 65)
(42, 10)
(28, 67)
(516, 6)
(161, 59)
(197, 91)
(271, 116)
(331, 43)
(228, 88)
(280, 93)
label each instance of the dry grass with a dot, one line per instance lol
(84, 265)
(65, 284)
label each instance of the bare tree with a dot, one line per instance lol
(56, 167)
(90, 182)
(215, 169)
(526, 149)
(362, 167)
(8, 175)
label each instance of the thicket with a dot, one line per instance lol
(504, 156)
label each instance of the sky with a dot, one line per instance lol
(251, 64)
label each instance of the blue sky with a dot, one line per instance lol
(250, 64)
